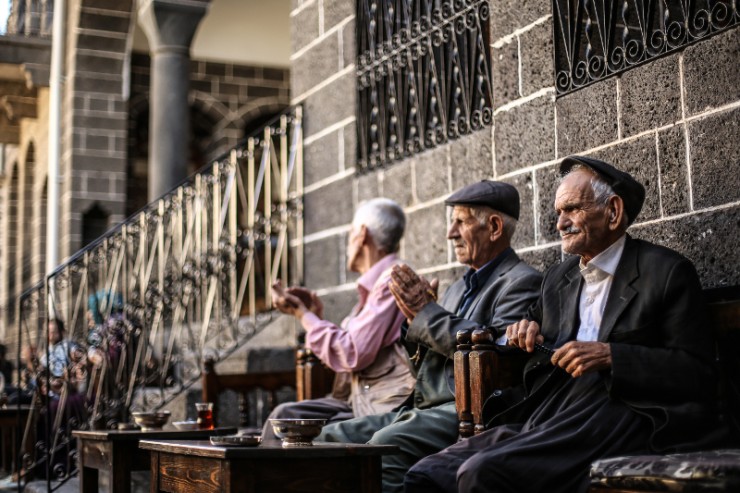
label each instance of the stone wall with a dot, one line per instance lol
(673, 123)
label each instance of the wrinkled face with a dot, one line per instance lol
(470, 238)
(54, 334)
(583, 224)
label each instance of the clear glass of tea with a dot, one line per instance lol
(205, 415)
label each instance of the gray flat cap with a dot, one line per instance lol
(494, 194)
(630, 190)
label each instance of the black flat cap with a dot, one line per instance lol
(494, 194)
(630, 190)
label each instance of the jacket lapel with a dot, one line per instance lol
(505, 266)
(621, 292)
(569, 296)
(453, 296)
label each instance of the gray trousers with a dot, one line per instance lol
(327, 408)
(417, 432)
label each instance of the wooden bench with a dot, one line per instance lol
(481, 371)
(310, 379)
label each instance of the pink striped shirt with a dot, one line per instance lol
(374, 323)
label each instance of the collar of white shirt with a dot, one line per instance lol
(604, 263)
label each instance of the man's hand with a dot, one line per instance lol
(412, 292)
(579, 357)
(287, 303)
(524, 334)
(309, 298)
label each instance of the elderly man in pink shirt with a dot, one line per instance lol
(366, 345)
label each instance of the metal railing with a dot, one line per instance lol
(187, 277)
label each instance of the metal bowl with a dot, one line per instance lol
(153, 420)
(297, 432)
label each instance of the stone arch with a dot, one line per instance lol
(25, 217)
(39, 244)
(256, 113)
(138, 154)
(95, 222)
(208, 116)
(10, 243)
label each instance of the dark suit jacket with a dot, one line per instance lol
(662, 346)
(511, 288)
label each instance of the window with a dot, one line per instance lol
(424, 77)
(594, 40)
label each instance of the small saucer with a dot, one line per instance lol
(236, 440)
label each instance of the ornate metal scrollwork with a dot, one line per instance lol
(597, 39)
(423, 75)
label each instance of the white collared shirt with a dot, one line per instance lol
(598, 276)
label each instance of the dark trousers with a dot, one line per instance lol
(552, 451)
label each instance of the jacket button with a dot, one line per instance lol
(497, 393)
(419, 399)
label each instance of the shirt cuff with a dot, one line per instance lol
(310, 320)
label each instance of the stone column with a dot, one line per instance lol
(170, 26)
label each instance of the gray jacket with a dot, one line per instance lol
(509, 291)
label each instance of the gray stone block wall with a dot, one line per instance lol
(672, 122)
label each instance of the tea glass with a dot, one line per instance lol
(205, 415)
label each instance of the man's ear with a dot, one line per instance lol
(363, 235)
(615, 212)
(495, 226)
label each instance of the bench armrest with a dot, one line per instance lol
(481, 368)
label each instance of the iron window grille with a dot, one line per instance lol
(595, 39)
(424, 76)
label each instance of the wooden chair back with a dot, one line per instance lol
(311, 379)
(243, 384)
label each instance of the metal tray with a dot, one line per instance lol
(236, 440)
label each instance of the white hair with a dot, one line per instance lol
(385, 221)
(482, 213)
(602, 190)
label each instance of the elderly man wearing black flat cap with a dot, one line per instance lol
(497, 290)
(632, 370)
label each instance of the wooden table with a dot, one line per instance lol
(11, 435)
(184, 466)
(118, 452)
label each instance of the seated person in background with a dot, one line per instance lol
(633, 365)
(106, 328)
(66, 361)
(6, 367)
(496, 290)
(27, 378)
(366, 344)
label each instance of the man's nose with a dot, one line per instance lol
(452, 232)
(563, 222)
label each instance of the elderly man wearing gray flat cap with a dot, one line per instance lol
(632, 370)
(496, 291)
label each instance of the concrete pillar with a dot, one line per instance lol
(170, 26)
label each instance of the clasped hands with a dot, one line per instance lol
(296, 301)
(411, 291)
(575, 357)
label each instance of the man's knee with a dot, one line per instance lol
(280, 410)
(418, 481)
(477, 470)
(432, 474)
